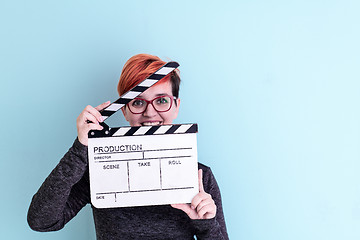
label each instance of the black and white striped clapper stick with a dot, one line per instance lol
(138, 89)
(145, 130)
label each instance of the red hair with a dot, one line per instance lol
(141, 66)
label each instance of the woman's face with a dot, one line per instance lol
(152, 117)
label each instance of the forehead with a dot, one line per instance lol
(157, 90)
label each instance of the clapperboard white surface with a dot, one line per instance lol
(139, 166)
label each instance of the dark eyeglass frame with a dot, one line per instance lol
(172, 98)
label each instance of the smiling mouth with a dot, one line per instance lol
(151, 123)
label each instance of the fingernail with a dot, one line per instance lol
(192, 207)
(101, 119)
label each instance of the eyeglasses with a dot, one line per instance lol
(160, 104)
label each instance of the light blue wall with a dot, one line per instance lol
(273, 85)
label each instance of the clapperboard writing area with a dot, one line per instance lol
(139, 166)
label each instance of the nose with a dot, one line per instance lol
(150, 111)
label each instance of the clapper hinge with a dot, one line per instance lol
(106, 131)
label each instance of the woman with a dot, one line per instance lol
(66, 190)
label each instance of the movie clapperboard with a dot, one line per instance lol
(140, 166)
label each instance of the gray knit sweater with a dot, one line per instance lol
(66, 191)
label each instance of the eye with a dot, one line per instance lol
(138, 103)
(162, 100)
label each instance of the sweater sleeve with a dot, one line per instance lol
(214, 228)
(63, 194)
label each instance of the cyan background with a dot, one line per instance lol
(274, 86)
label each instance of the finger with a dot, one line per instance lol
(89, 118)
(95, 113)
(201, 185)
(82, 120)
(207, 211)
(204, 203)
(102, 106)
(198, 199)
(92, 126)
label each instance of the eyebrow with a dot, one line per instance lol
(157, 95)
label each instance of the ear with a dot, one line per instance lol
(177, 106)
(178, 102)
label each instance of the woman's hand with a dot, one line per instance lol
(89, 119)
(202, 206)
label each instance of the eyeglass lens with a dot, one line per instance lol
(161, 104)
